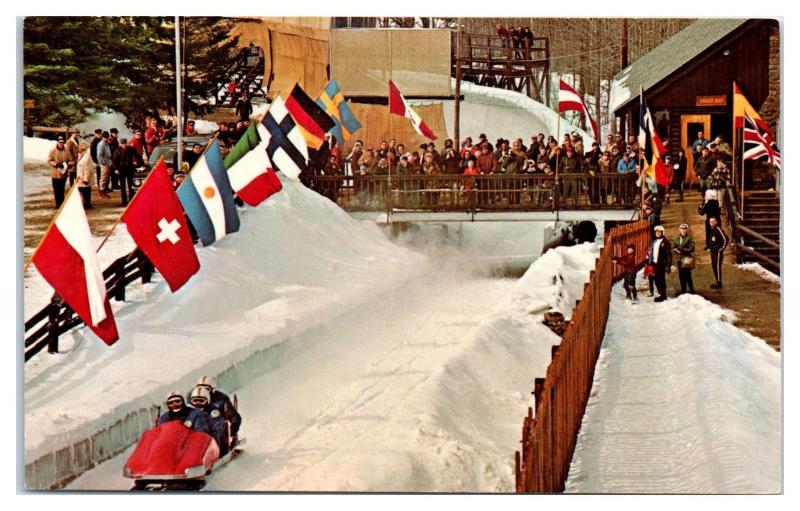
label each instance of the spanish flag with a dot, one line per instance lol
(741, 107)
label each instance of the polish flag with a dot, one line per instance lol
(67, 260)
(398, 106)
(570, 101)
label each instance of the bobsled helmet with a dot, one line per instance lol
(200, 397)
(207, 382)
(174, 400)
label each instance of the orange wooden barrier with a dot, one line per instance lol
(548, 438)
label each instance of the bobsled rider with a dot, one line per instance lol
(201, 400)
(193, 418)
(221, 402)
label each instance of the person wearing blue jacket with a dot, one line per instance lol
(201, 400)
(104, 161)
(193, 418)
(626, 165)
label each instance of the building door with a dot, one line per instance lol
(690, 126)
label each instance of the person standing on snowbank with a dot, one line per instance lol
(662, 259)
(717, 241)
(628, 262)
(684, 248)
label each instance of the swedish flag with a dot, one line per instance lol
(332, 100)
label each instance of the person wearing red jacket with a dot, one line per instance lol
(628, 263)
(152, 136)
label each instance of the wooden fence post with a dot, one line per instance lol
(145, 267)
(52, 324)
(119, 281)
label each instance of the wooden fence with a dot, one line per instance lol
(57, 318)
(548, 438)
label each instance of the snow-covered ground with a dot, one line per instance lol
(422, 389)
(761, 272)
(682, 402)
(504, 113)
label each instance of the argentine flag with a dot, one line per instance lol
(207, 197)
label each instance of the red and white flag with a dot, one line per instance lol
(570, 101)
(252, 176)
(67, 260)
(156, 222)
(399, 106)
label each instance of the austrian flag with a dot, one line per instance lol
(570, 101)
(156, 223)
(399, 106)
(67, 260)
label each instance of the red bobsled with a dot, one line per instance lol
(171, 452)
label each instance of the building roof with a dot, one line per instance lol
(668, 57)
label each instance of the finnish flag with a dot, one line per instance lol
(207, 197)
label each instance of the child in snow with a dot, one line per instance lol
(628, 262)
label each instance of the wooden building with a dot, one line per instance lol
(687, 81)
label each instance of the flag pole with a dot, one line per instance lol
(130, 203)
(49, 227)
(741, 213)
(558, 153)
(178, 90)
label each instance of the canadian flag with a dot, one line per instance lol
(570, 101)
(399, 106)
(67, 260)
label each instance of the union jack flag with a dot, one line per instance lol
(758, 142)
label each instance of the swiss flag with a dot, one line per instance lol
(398, 106)
(67, 260)
(252, 176)
(156, 223)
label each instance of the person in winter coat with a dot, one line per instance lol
(104, 160)
(628, 262)
(98, 136)
(125, 161)
(222, 402)
(703, 167)
(717, 241)
(710, 208)
(193, 418)
(73, 146)
(662, 259)
(684, 249)
(85, 175)
(679, 173)
(201, 400)
(719, 180)
(58, 159)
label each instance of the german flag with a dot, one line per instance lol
(309, 116)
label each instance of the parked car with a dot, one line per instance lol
(166, 150)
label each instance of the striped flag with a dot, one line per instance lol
(67, 260)
(741, 107)
(249, 169)
(286, 145)
(758, 141)
(207, 197)
(570, 101)
(399, 106)
(309, 116)
(332, 100)
(651, 143)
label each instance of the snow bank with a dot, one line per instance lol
(507, 114)
(35, 150)
(457, 430)
(761, 272)
(297, 261)
(682, 402)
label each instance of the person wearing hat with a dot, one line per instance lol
(661, 257)
(73, 145)
(104, 160)
(684, 249)
(703, 167)
(125, 161)
(113, 144)
(58, 159)
(710, 208)
(177, 410)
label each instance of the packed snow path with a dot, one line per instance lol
(339, 408)
(682, 402)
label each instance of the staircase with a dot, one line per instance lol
(762, 215)
(248, 73)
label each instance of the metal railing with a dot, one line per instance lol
(549, 437)
(57, 318)
(456, 192)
